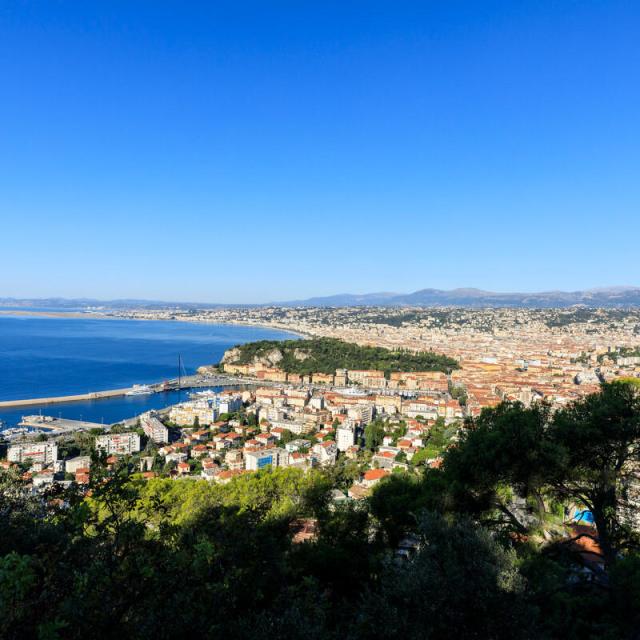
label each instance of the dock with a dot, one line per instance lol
(58, 425)
(187, 382)
(94, 395)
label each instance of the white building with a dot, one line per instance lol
(44, 452)
(119, 443)
(184, 414)
(228, 403)
(317, 402)
(79, 462)
(326, 452)
(153, 428)
(296, 445)
(345, 437)
(361, 412)
(254, 460)
(206, 408)
(296, 427)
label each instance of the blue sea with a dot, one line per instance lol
(42, 357)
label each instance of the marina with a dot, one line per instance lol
(187, 382)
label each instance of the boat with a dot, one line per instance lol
(11, 433)
(140, 390)
(207, 393)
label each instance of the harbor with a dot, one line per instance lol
(55, 425)
(184, 383)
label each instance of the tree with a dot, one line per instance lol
(395, 504)
(502, 456)
(196, 422)
(461, 583)
(374, 434)
(599, 440)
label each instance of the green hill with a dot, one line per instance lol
(325, 355)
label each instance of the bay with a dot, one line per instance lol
(42, 356)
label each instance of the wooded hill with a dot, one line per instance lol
(325, 355)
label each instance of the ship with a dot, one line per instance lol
(207, 393)
(140, 390)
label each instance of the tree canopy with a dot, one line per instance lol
(325, 355)
(482, 547)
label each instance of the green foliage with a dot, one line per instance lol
(287, 436)
(458, 393)
(373, 434)
(598, 439)
(325, 355)
(17, 583)
(635, 382)
(187, 558)
(429, 596)
(506, 445)
(420, 456)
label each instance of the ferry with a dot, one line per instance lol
(140, 390)
(207, 393)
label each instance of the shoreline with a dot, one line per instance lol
(77, 315)
(85, 315)
(108, 393)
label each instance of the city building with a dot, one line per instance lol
(153, 428)
(274, 457)
(118, 443)
(42, 452)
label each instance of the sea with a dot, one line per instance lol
(53, 356)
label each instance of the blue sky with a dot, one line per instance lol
(256, 151)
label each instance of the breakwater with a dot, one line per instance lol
(94, 395)
(187, 382)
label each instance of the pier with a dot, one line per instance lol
(94, 395)
(187, 382)
(58, 425)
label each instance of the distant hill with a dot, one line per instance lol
(469, 297)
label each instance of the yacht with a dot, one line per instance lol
(207, 393)
(140, 390)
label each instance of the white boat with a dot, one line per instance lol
(208, 393)
(140, 390)
(14, 432)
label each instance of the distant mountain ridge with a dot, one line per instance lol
(463, 297)
(471, 297)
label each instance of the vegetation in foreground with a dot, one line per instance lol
(325, 355)
(491, 552)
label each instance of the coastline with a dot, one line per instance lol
(54, 314)
(74, 398)
(85, 315)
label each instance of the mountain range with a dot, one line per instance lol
(470, 297)
(466, 297)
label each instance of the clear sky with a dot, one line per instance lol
(255, 151)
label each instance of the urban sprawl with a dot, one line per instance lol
(380, 420)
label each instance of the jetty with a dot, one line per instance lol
(185, 382)
(94, 395)
(58, 425)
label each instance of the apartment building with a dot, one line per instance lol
(42, 452)
(153, 428)
(274, 457)
(118, 443)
